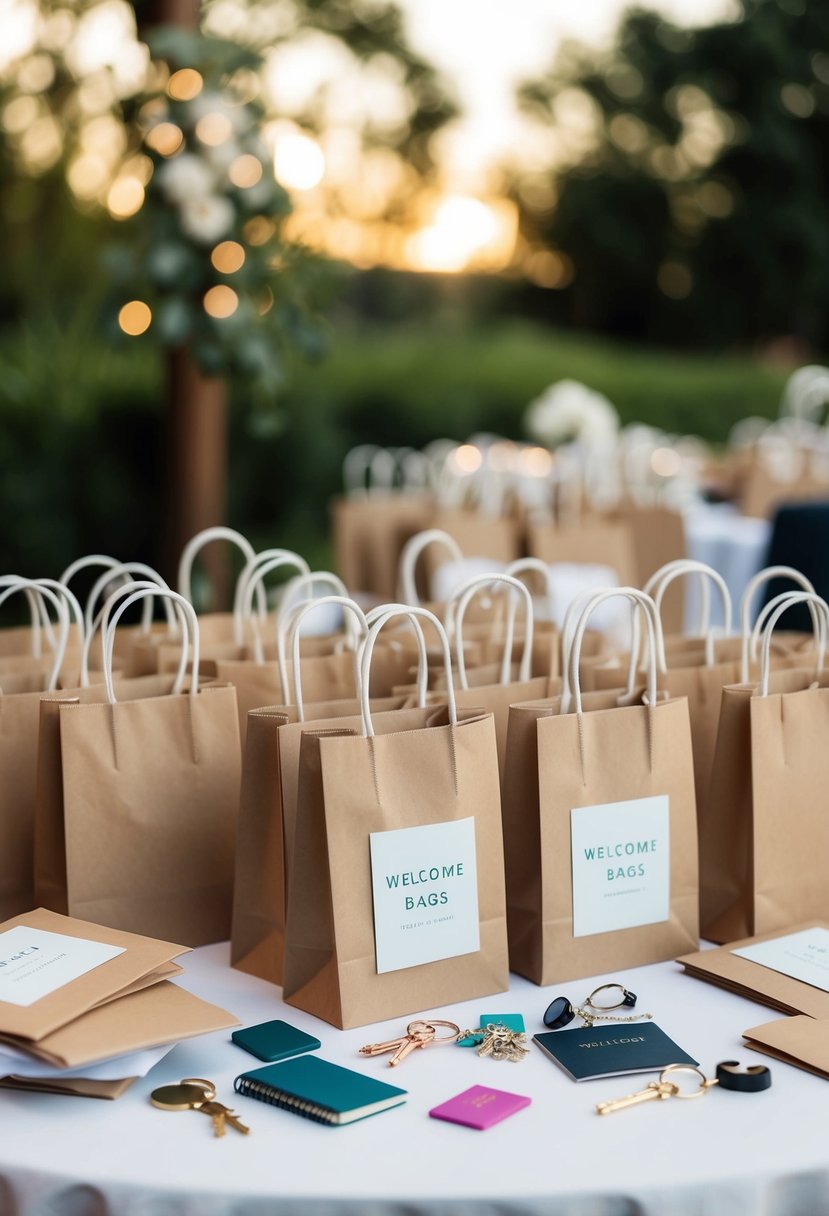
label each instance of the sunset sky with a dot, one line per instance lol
(485, 46)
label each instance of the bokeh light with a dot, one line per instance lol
(135, 318)
(245, 171)
(228, 257)
(220, 302)
(214, 129)
(298, 161)
(125, 197)
(185, 84)
(165, 138)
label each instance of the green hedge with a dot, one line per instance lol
(81, 426)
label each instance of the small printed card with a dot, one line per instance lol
(425, 887)
(480, 1107)
(598, 1051)
(35, 962)
(802, 956)
(621, 861)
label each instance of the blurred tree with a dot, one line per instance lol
(690, 193)
(83, 97)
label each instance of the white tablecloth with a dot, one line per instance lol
(735, 545)
(744, 1155)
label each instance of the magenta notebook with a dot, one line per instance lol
(480, 1107)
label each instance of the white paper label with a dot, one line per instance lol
(803, 956)
(35, 963)
(621, 865)
(425, 887)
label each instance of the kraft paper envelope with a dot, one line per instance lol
(161, 1014)
(75, 1087)
(140, 957)
(168, 971)
(756, 982)
(801, 1041)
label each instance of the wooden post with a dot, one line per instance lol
(195, 474)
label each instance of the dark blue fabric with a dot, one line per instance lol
(800, 538)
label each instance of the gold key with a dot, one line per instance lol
(222, 1116)
(187, 1095)
(656, 1089)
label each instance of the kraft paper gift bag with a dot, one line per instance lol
(763, 832)
(267, 806)
(375, 517)
(602, 858)
(150, 795)
(20, 696)
(493, 690)
(49, 828)
(396, 901)
(595, 540)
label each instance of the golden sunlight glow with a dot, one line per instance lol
(165, 138)
(298, 160)
(125, 197)
(185, 84)
(220, 302)
(20, 113)
(245, 171)
(214, 129)
(228, 257)
(135, 318)
(463, 232)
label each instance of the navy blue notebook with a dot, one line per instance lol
(601, 1051)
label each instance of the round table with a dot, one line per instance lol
(728, 1152)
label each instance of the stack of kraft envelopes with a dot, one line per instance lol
(85, 1009)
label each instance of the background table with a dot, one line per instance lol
(725, 1153)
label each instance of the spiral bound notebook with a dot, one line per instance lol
(317, 1089)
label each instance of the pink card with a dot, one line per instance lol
(480, 1107)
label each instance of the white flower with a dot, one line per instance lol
(570, 410)
(186, 178)
(206, 219)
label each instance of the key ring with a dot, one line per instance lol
(415, 1029)
(667, 1075)
(561, 1011)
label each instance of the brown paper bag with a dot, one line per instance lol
(762, 828)
(600, 757)
(267, 818)
(50, 888)
(392, 772)
(150, 793)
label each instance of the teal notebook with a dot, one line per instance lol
(317, 1089)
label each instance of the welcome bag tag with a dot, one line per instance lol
(616, 826)
(399, 833)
